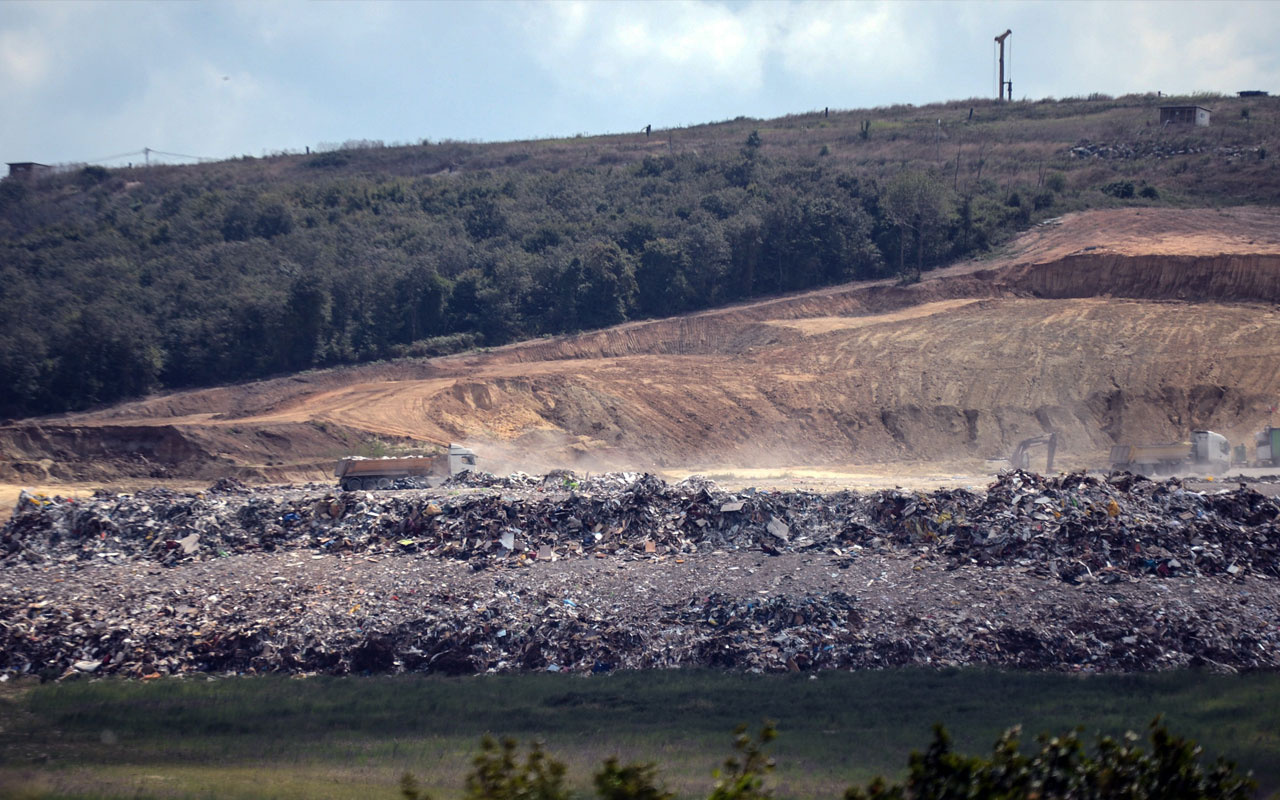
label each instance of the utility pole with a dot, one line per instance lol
(1000, 86)
(146, 151)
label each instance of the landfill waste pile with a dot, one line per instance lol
(569, 573)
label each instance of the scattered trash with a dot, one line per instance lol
(523, 573)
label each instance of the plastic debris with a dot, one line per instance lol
(594, 573)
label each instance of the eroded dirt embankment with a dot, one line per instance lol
(1131, 332)
(37, 453)
(1198, 279)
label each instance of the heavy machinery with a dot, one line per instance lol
(1206, 452)
(356, 472)
(1021, 458)
(1266, 444)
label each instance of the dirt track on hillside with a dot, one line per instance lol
(1106, 326)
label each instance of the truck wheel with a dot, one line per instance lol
(350, 484)
(383, 483)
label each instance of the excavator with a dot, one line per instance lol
(1021, 458)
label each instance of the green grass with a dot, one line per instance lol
(352, 737)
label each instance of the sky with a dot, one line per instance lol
(82, 81)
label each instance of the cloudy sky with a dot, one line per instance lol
(80, 81)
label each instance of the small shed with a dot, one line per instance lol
(1184, 115)
(27, 170)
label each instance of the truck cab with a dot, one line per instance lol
(1210, 451)
(461, 459)
(1267, 447)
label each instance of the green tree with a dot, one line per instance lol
(918, 206)
(107, 353)
(305, 320)
(421, 297)
(608, 289)
(662, 288)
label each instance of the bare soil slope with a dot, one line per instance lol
(1127, 325)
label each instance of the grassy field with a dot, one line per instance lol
(353, 737)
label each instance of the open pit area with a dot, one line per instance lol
(855, 513)
(1132, 325)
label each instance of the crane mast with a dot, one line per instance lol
(1000, 95)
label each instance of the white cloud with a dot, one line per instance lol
(666, 50)
(835, 40)
(660, 49)
(24, 60)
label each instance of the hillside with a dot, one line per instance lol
(1116, 325)
(119, 283)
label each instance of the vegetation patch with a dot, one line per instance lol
(205, 737)
(119, 282)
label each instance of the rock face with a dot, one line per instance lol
(625, 571)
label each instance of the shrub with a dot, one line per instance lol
(1121, 189)
(273, 220)
(1064, 769)
(628, 782)
(743, 775)
(92, 175)
(1149, 192)
(1061, 769)
(333, 158)
(1056, 182)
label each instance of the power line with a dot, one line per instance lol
(181, 155)
(145, 153)
(113, 158)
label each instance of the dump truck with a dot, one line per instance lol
(1266, 444)
(356, 472)
(1206, 452)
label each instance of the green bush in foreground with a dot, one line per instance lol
(1061, 768)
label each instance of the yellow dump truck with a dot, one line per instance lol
(1206, 452)
(355, 472)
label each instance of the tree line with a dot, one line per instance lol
(111, 288)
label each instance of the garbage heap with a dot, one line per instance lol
(563, 573)
(1075, 527)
